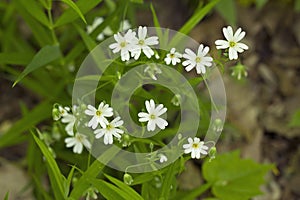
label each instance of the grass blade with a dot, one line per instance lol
(75, 8)
(46, 55)
(56, 178)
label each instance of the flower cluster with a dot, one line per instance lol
(69, 117)
(129, 45)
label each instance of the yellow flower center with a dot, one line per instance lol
(172, 55)
(141, 42)
(79, 137)
(152, 116)
(195, 145)
(123, 44)
(198, 59)
(109, 126)
(98, 113)
(232, 44)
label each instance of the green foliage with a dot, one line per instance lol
(227, 10)
(234, 178)
(46, 55)
(295, 121)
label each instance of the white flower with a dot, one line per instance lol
(195, 147)
(142, 44)
(99, 115)
(199, 60)
(173, 57)
(77, 142)
(153, 116)
(232, 42)
(70, 120)
(123, 44)
(110, 130)
(162, 158)
(124, 25)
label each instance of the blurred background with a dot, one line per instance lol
(263, 109)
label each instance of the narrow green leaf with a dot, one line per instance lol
(126, 188)
(168, 181)
(197, 17)
(70, 15)
(13, 58)
(69, 181)
(40, 32)
(6, 196)
(193, 194)
(56, 178)
(108, 191)
(227, 10)
(75, 8)
(35, 11)
(156, 22)
(88, 41)
(83, 183)
(46, 55)
(14, 134)
(137, 1)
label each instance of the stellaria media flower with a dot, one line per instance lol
(98, 115)
(196, 147)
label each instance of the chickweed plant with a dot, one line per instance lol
(131, 104)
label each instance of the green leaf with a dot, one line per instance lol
(70, 15)
(197, 17)
(84, 181)
(132, 194)
(22, 58)
(14, 134)
(235, 178)
(6, 196)
(260, 3)
(56, 178)
(193, 194)
(88, 41)
(75, 8)
(297, 5)
(108, 191)
(227, 10)
(35, 11)
(46, 55)
(169, 179)
(137, 1)
(295, 121)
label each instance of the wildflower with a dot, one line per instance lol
(162, 158)
(70, 120)
(123, 44)
(91, 193)
(153, 116)
(199, 60)
(173, 57)
(110, 130)
(77, 142)
(99, 115)
(152, 70)
(142, 44)
(212, 153)
(124, 25)
(232, 42)
(58, 112)
(195, 147)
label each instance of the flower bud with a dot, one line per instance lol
(239, 71)
(176, 100)
(212, 153)
(127, 179)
